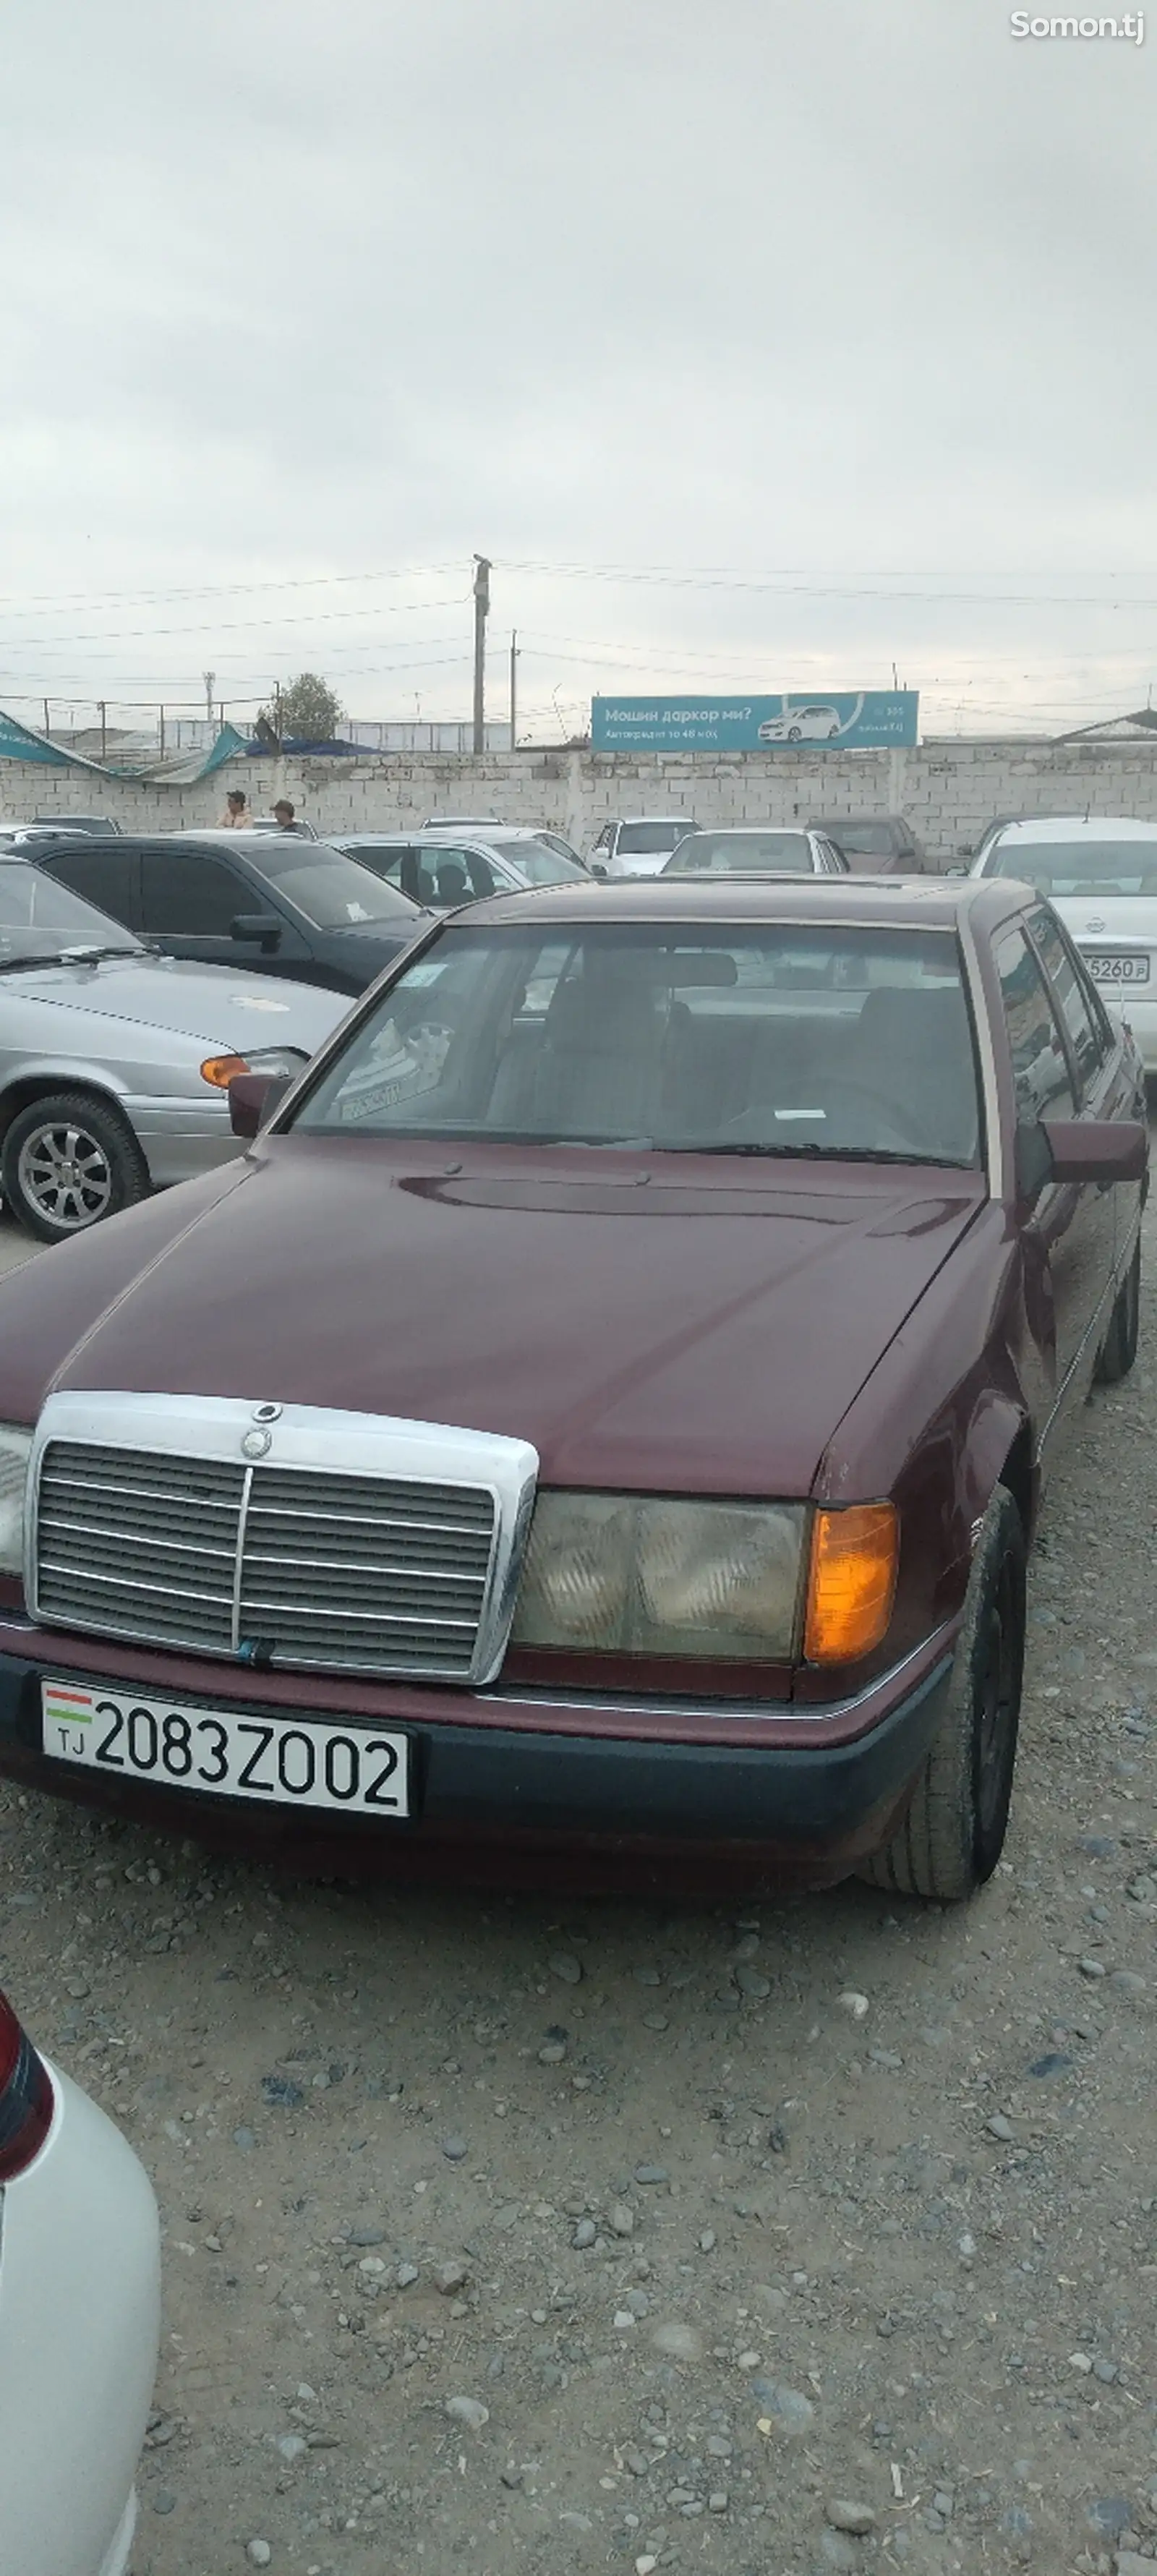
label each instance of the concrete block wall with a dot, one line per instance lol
(948, 790)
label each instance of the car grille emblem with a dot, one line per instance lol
(257, 1444)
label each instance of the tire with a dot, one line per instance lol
(953, 1834)
(1119, 1348)
(70, 1160)
(793, 734)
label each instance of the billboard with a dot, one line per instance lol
(837, 720)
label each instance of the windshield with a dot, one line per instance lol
(39, 918)
(331, 890)
(538, 864)
(724, 852)
(1100, 868)
(649, 838)
(869, 837)
(770, 1039)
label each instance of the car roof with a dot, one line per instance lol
(1078, 827)
(735, 831)
(651, 818)
(227, 840)
(919, 903)
(837, 823)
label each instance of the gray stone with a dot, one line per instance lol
(245, 2139)
(751, 1983)
(563, 1964)
(454, 2149)
(787, 2407)
(367, 2236)
(450, 2277)
(1107, 2372)
(856, 2519)
(998, 2126)
(1129, 2562)
(1127, 1982)
(651, 2174)
(622, 2219)
(469, 2411)
(585, 2234)
(291, 2445)
(1093, 1968)
(259, 2553)
(282, 2092)
(676, 2341)
(164, 2501)
(407, 2275)
(1108, 2516)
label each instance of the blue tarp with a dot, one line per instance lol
(180, 769)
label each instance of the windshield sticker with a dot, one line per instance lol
(400, 1069)
(356, 912)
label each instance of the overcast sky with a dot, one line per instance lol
(761, 345)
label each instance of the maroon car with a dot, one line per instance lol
(604, 1413)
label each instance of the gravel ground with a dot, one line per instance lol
(615, 2236)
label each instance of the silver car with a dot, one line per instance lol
(115, 1061)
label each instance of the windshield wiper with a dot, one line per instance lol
(844, 1154)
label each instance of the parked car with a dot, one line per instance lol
(79, 2313)
(464, 823)
(115, 1061)
(1101, 875)
(876, 844)
(512, 832)
(741, 1248)
(442, 871)
(298, 830)
(746, 849)
(638, 845)
(265, 902)
(103, 825)
(802, 724)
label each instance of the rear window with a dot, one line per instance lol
(723, 853)
(538, 864)
(647, 839)
(331, 890)
(1103, 869)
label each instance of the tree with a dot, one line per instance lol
(306, 711)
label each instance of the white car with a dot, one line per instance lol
(79, 2320)
(1100, 873)
(802, 724)
(637, 846)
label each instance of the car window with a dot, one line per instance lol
(1040, 1069)
(102, 875)
(647, 839)
(873, 840)
(1106, 870)
(539, 864)
(1086, 1036)
(687, 1038)
(329, 889)
(39, 918)
(186, 894)
(725, 852)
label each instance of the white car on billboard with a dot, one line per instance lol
(802, 724)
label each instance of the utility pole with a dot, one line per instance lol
(47, 726)
(481, 613)
(210, 679)
(103, 730)
(514, 690)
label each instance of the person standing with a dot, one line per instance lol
(236, 817)
(285, 817)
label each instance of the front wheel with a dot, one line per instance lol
(953, 1834)
(1119, 1348)
(68, 1161)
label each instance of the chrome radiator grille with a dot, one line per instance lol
(316, 1568)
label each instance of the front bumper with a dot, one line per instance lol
(806, 1799)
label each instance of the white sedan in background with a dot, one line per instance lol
(1100, 874)
(79, 2321)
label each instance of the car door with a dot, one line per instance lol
(107, 874)
(1067, 1232)
(190, 899)
(1106, 1081)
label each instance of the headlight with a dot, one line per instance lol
(15, 1450)
(220, 1069)
(608, 1573)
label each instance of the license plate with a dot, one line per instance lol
(1122, 969)
(278, 1761)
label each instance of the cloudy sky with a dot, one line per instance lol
(760, 345)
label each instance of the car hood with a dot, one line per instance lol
(699, 1328)
(217, 1005)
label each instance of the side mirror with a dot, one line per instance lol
(1075, 1150)
(956, 872)
(262, 928)
(253, 1097)
(598, 867)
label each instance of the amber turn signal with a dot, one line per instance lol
(851, 1582)
(220, 1070)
